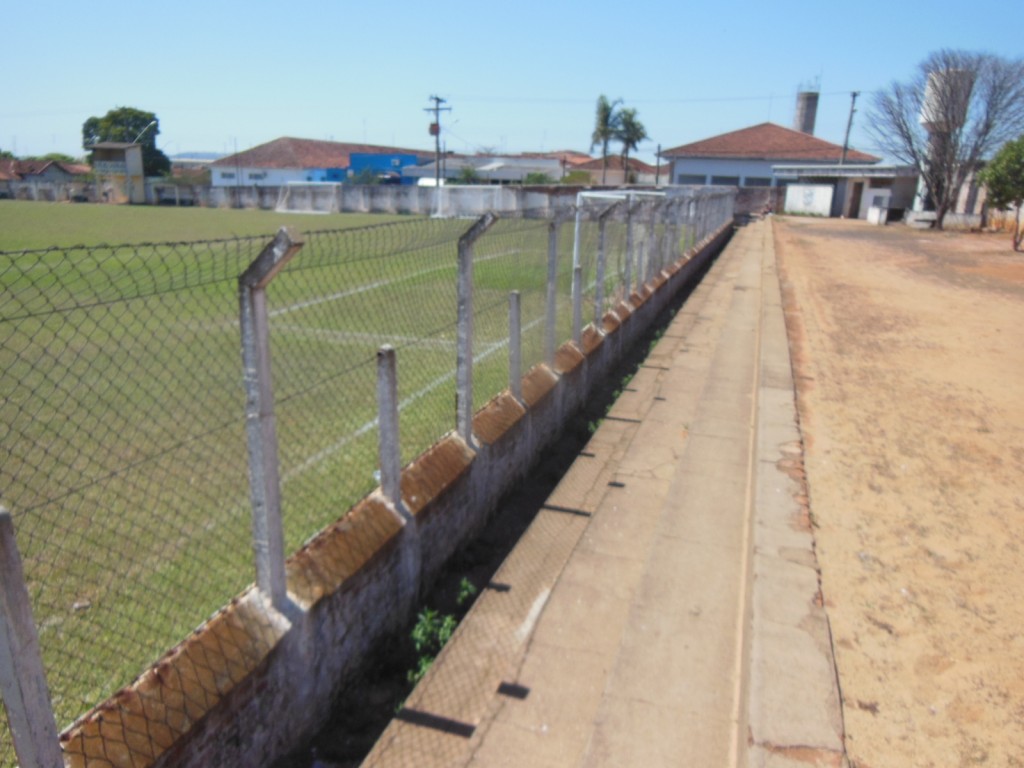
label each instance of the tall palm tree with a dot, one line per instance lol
(630, 132)
(606, 124)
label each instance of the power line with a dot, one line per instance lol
(689, 100)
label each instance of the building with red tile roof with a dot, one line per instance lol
(745, 157)
(41, 170)
(290, 159)
(16, 174)
(569, 158)
(639, 171)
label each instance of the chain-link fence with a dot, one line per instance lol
(123, 417)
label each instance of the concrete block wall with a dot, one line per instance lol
(253, 683)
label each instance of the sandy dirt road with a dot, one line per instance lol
(909, 356)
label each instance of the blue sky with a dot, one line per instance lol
(519, 76)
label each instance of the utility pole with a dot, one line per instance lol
(435, 131)
(849, 125)
(657, 167)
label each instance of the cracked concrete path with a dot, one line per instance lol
(663, 608)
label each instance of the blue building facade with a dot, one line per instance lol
(387, 166)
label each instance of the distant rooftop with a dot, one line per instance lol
(768, 141)
(289, 152)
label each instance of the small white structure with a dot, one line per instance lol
(856, 188)
(809, 199)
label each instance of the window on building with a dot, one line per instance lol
(725, 181)
(227, 174)
(684, 178)
(757, 181)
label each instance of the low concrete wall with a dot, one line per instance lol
(252, 684)
(353, 198)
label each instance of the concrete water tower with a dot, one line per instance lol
(946, 98)
(947, 95)
(806, 112)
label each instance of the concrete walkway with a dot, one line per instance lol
(663, 608)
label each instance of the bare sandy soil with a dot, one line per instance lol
(909, 353)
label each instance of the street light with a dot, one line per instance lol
(127, 175)
(143, 131)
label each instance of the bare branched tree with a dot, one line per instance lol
(956, 111)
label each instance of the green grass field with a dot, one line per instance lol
(124, 459)
(25, 225)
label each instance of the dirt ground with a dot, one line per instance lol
(909, 355)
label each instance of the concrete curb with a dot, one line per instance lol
(794, 715)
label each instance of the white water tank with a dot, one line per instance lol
(946, 98)
(806, 112)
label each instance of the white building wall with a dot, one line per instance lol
(711, 167)
(230, 176)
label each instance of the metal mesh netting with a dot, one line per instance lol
(345, 294)
(123, 418)
(124, 458)
(511, 256)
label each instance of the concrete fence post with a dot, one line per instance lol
(602, 261)
(515, 346)
(672, 229)
(640, 240)
(671, 242)
(389, 447)
(22, 679)
(652, 240)
(639, 266)
(464, 355)
(577, 277)
(627, 278)
(577, 304)
(260, 420)
(551, 319)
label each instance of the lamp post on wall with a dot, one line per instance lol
(127, 174)
(136, 140)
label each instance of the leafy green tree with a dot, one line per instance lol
(538, 178)
(365, 176)
(1003, 178)
(468, 175)
(606, 124)
(576, 178)
(5, 155)
(129, 125)
(951, 115)
(57, 157)
(630, 132)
